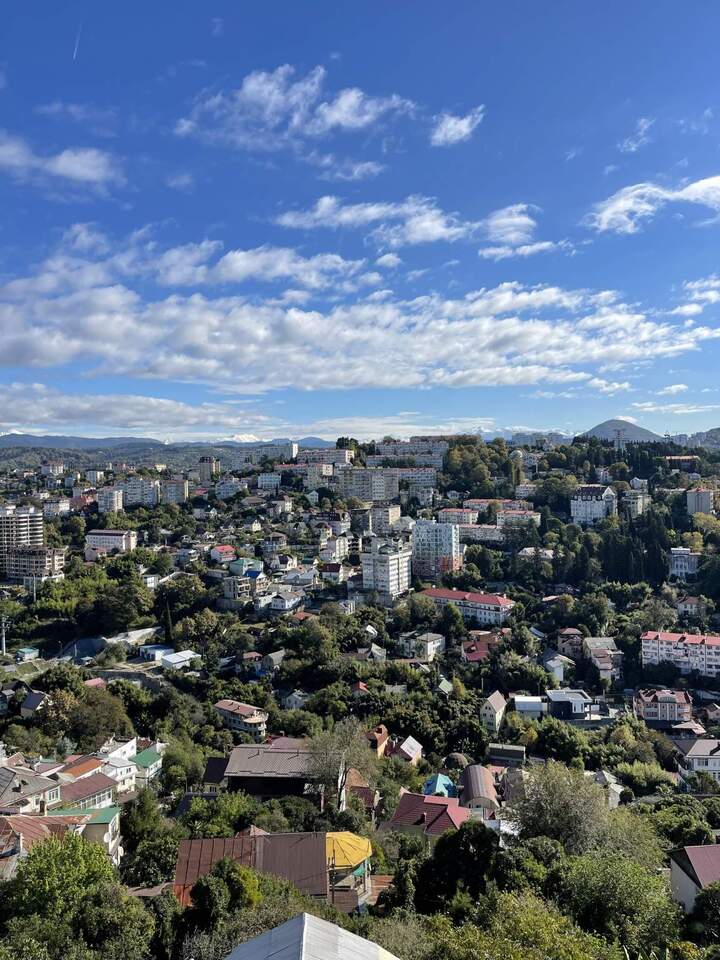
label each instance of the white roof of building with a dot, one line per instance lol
(308, 938)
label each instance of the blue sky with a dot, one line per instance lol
(283, 219)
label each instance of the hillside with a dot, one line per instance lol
(632, 432)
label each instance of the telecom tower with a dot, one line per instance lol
(620, 439)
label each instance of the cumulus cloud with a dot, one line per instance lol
(625, 210)
(415, 220)
(673, 389)
(639, 138)
(78, 165)
(195, 313)
(449, 129)
(271, 110)
(511, 231)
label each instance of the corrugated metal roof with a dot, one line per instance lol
(249, 760)
(309, 938)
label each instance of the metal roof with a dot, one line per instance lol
(250, 760)
(309, 938)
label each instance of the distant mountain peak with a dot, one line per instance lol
(632, 433)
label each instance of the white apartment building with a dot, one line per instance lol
(335, 549)
(139, 491)
(684, 562)
(689, 652)
(107, 541)
(413, 446)
(19, 527)
(481, 533)
(175, 490)
(424, 476)
(592, 502)
(637, 484)
(524, 491)
(457, 515)
(94, 477)
(486, 608)
(329, 455)
(434, 460)
(386, 569)
(636, 502)
(514, 518)
(700, 500)
(243, 717)
(208, 469)
(268, 481)
(383, 517)
(435, 549)
(52, 468)
(368, 484)
(318, 475)
(109, 500)
(56, 508)
(663, 707)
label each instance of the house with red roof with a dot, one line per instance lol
(427, 815)
(691, 870)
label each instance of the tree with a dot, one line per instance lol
(619, 899)
(114, 924)
(229, 886)
(560, 803)
(334, 751)
(97, 716)
(152, 862)
(707, 912)
(461, 861)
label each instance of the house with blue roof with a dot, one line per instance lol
(439, 785)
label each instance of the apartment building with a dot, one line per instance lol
(175, 490)
(94, 477)
(663, 707)
(636, 502)
(457, 515)
(592, 502)
(684, 562)
(486, 608)
(383, 517)
(386, 569)
(109, 500)
(368, 484)
(52, 468)
(401, 449)
(318, 475)
(517, 518)
(255, 453)
(700, 500)
(268, 481)
(243, 718)
(329, 455)
(689, 652)
(436, 549)
(208, 469)
(34, 563)
(19, 527)
(109, 541)
(59, 507)
(140, 491)
(434, 460)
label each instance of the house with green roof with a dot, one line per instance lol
(149, 765)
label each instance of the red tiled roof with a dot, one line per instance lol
(434, 815)
(694, 639)
(491, 599)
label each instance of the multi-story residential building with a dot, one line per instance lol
(524, 491)
(517, 518)
(636, 502)
(255, 453)
(318, 475)
(109, 500)
(592, 502)
(52, 468)
(139, 491)
(368, 484)
(700, 500)
(176, 490)
(94, 477)
(208, 469)
(424, 646)
(694, 607)
(458, 515)
(689, 652)
(434, 460)
(19, 527)
(386, 569)
(268, 481)
(699, 756)
(424, 476)
(34, 563)
(486, 608)
(335, 549)
(435, 549)
(604, 654)
(243, 717)
(329, 455)
(56, 508)
(383, 517)
(401, 449)
(481, 533)
(684, 562)
(481, 504)
(109, 541)
(663, 707)
(637, 484)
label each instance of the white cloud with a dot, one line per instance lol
(672, 389)
(102, 121)
(511, 230)
(639, 138)
(272, 110)
(140, 310)
(449, 129)
(625, 210)
(390, 260)
(524, 250)
(414, 220)
(217, 26)
(183, 182)
(343, 168)
(87, 165)
(680, 409)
